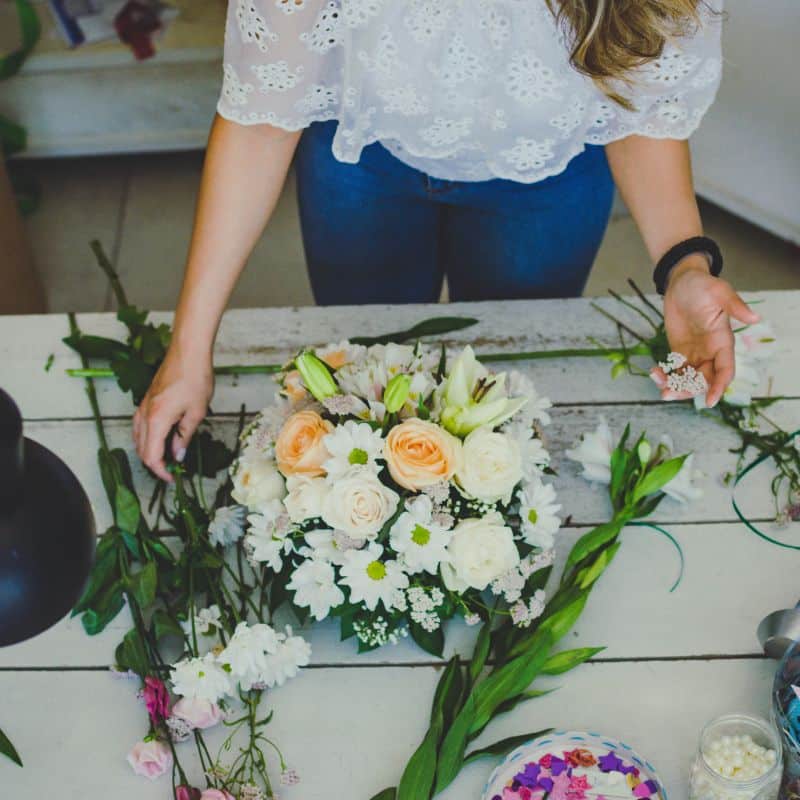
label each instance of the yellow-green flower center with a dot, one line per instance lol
(420, 535)
(532, 516)
(358, 456)
(376, 570)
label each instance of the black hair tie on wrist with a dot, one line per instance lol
(697, 244)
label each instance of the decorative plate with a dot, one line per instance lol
(572, 765)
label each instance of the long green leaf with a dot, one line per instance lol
(386, 794)
(593, 540)
(510, 705)
(658, 477)
(481, 652)
(7, 749)
(435, 326)
(127, 512)
(566, 660)
(142, 584)
(504, 746)
(594, 570)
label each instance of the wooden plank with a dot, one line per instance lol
(348, 731)
(714, 611)
(251, 336)
(76, 441)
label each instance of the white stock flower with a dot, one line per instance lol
(266, 535)
(371, 580)
(539, 514)
(246, 653)
(201, 678)
(206, 621)
(421, 543)
(256, 481)
(292, 653)
(490, 467)
(227, 525)
(352, 444)
(359, 504)
(480, 550)
(305, 497)
(594, 451)
(314, 587)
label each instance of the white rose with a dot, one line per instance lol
(491, 466)
(359, 504)
(257, 481)
(305, 497)
(480, 551)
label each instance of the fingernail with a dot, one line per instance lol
(180, 454)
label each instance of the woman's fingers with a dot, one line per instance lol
(185, 430)
(159, 420)
(737, 308)
(723, 373)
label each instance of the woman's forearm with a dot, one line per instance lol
(243, 175)
(654, 177)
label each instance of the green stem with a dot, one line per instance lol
(105, 264)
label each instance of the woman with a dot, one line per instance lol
(477, 139)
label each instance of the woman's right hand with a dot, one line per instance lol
(179, 395)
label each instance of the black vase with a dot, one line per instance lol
(47, 533)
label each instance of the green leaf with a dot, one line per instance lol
(132, 654)
(504, 746)
(142, 585)
(133, 376)
(481, 652)
(7, 749)
(419, 774)
(448, 692)
(430, 641)
(454, 745)
(386, 794)
(207, 455)
(164, 625)
(593, 540)
(510, 705)
(566, 660)
(96, 619)
(95, 346)
(591, 573)
(127, 512)
(658, 476)
(132, 318)
(436, 326)
(105, 572)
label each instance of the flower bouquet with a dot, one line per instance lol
(390, 486)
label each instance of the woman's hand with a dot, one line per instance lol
(697, 312)
(179, 395)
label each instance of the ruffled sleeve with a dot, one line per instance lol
(672, 93)
(282, 62)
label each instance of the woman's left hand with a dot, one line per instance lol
(697, 312)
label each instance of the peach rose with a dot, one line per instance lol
(299, 449)
(420, 453)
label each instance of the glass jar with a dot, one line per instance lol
(709, 784)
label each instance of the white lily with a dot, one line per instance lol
(470, 397)
(594, 451)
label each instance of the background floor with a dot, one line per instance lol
(141, 208)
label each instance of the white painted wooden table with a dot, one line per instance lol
(349, 722)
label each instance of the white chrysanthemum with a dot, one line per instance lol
(327, 545)
(539, 514)
(314, 587)
(227, 525)
(206, 620)
(352, 444)
(371, 580)
(201, 678)
(594, 451)
(247, 651)
(337, 354)
(422, 543)
(293, 652)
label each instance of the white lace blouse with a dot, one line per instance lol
(460, 89)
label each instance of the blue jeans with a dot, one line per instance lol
(382, 232)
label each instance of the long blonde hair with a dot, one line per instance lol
(609, 38)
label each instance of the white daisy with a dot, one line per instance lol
(371, 580)
(227, 525)
(314, 585)
(352, 444)
(422, 543)
(538, 512)
(200, 678)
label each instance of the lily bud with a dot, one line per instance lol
(316, 376)
(644, 451)
(396, 392)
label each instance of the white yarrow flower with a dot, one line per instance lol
(314, 585)
(371, 580)
(421, 543)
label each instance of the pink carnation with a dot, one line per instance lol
(198, 713)
(156, 698)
